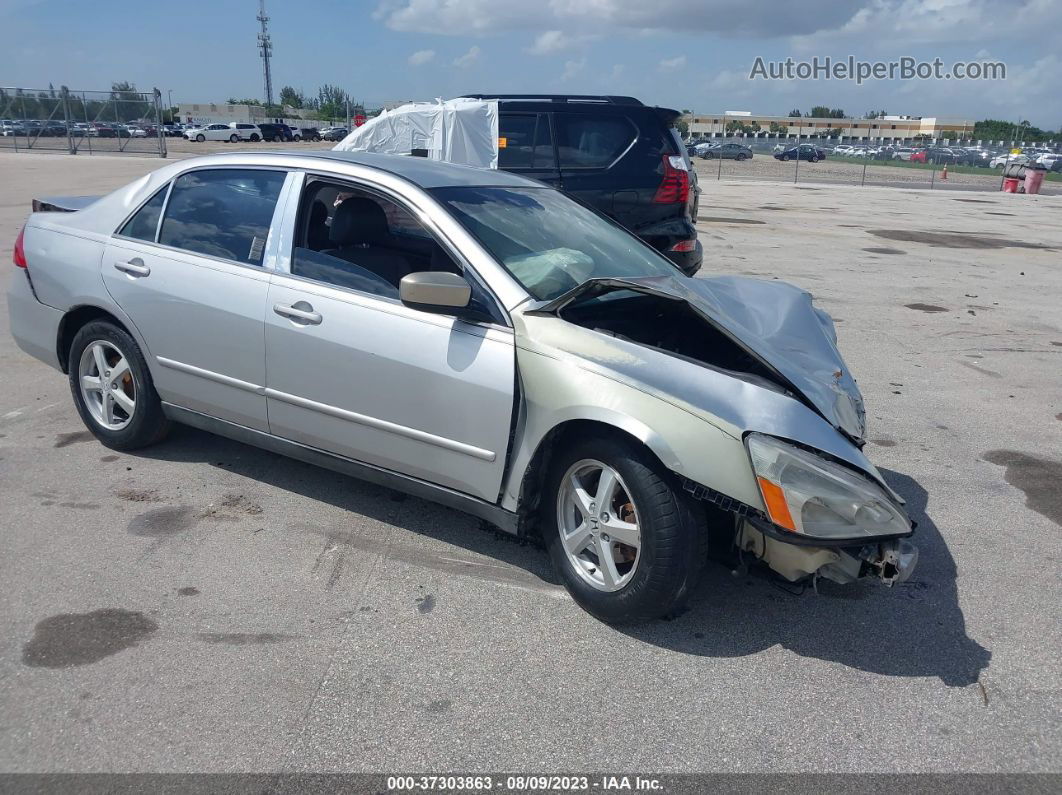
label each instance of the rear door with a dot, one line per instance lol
(525, 146)
(193, 283)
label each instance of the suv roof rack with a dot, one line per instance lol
(606, 99)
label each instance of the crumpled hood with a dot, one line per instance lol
(773, 320)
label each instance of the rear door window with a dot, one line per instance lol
(222, 212)
(525, 141)
(592, 141)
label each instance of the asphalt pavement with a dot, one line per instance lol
(205, 606)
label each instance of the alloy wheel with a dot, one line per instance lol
(107, 385)
(598, 525)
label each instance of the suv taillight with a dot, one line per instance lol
(675, 187)
(19, 255)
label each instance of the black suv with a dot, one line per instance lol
(613, 153)
(276, 132)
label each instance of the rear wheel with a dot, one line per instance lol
(622, 538)
(296, 138)
(233, 138)
(255, 138)
(814, 159)
(112, 388)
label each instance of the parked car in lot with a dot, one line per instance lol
(211, 132)
(584, 390)
(903, 153)
(276, 132)
(727, 151)
(245, 132)
(1007, 158)
(621, 157)
(977, 156)
(307, 134)
(812, 154)
(918, 156)
(334, 133)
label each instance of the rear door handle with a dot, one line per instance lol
(300, 312)
(135, 267)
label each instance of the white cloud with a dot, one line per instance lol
(468, 58)
(671, 64)
(572, 69)
(551, 41)
(617, 71)
(751, 17)
(421, 57)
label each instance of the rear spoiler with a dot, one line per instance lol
(62, 204)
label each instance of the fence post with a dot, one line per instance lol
(158, 123)
(66, 120)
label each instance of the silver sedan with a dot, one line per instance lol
(475, 338)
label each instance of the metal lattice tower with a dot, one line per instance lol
(266, 47)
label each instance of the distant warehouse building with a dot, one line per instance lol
(897, 128)
(214, 113)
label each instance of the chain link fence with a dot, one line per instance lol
(81, 122)
(937, 164)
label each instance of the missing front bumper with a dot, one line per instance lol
(890, 561)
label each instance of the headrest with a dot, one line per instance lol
(358, 220)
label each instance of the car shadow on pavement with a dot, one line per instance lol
(377, 503)
(916, 628)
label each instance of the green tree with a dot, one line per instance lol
(795, 112)
(777, 129)
(289, 96)
(682, 126)
(234, 101)
(126, 103)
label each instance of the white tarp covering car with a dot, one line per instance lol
(454, 130)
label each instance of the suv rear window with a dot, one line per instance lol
(591, 142)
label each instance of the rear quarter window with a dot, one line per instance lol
(592, 141)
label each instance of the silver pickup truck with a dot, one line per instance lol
(475, 338)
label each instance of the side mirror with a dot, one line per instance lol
(435, 291)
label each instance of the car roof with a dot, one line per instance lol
(419, 170)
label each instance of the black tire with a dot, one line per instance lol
(148, 424)
(741, 156)
(785, 158)
(255, 138)
(813, 159)
(233, 138)
(200, 138)
(673, 542)
(296, 138)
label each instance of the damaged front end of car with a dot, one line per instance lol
(783, 466)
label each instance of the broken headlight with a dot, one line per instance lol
(809, 495)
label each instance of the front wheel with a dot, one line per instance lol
(621, 536)
(785, 158)
(200, 138)
(112, 388)
(296, 138)
(814, 159)
(741, 156)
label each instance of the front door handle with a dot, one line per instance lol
(300, 312)
(134, 267)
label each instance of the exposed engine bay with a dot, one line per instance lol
(669, 325)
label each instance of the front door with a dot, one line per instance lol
(353, 371)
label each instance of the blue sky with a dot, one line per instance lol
(681, 53)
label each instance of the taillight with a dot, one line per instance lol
(675, 187)
(19, 256)
(685, 245)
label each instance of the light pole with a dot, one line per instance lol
(169, 107)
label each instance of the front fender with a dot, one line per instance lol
(557, 390)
